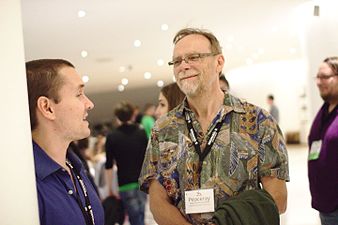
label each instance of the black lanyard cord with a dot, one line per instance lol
(193, 137)
(87, 210)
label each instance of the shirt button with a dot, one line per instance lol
(70, 191)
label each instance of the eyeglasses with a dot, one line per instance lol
(324, 77)
(190, 58)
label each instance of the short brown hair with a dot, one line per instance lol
(124, 111)
(43, 80)
(214, 43)
(333, 64)
(173, 94)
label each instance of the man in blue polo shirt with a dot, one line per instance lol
(323, 144)
(58, 111)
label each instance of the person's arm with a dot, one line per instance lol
(109, 179)
(163, 211)
(277, 189)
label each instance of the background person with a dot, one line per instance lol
(126, 146)
(58, 110)
(323, 145)
(170, 96)
(274, 111)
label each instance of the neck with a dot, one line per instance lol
(332, 106)
(52, 145)
(206, 105)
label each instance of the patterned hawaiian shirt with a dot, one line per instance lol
(248, 147)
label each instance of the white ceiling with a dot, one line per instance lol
(262, 30)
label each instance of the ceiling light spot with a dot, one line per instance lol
(137, 43)
(81, 13)
(147, 75)
(292, 50)
(120, 88)
(260, 51)
(85, 79)
(164, 27)
(249, 61)
(84, 54)
(124, 81)
(122, 69)
(160, 62)
(160, 83)
(230, 38)
(228, 46)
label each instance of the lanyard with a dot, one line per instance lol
(193, 136)
(87, 210)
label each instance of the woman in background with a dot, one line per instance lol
(169, 97)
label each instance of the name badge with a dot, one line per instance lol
(199, 201)
(315, 150)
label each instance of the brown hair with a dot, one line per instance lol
(124, 111)
(214, 43)
(43, 80)
(173, 94)
(333, 64)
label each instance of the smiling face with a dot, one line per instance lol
(327, 84)
(72, 109)
(195, 77)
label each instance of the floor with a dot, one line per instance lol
(299, 211)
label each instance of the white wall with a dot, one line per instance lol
(17, 189)
(284, 79)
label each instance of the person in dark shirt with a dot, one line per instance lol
(126, 146)
(58, 110)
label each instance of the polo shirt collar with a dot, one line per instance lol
(45, 166)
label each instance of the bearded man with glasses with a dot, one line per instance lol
(323, 145)
(213, 151)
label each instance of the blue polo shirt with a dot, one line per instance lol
(56, 195)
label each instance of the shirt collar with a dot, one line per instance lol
(45, 166)
(230, 103)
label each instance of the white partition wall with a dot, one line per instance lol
(17, 189)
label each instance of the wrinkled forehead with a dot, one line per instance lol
(325, 69)
(193, 43)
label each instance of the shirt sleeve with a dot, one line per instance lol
(273, 156)
(109, 152)
(149, 170)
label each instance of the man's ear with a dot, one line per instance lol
(45, 107)
(220, 64)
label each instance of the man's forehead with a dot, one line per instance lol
(192, 43)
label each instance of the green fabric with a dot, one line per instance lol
(128, 187)
(147, 123)
(253, 207)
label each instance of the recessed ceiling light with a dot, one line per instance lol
(160, 62)
(81, 13)
(228, 46)
(260, 51)
(292, 50)
(124, 81)
(137, 43)
(84, 54)
(230, 38)
(85, 79)
(249, 61)
(122, 69)
(160, 83)
(120, 88)
(147, 75)
(164, 27)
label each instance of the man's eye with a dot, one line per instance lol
(177, 61)
(193, 57)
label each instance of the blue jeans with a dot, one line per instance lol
(134, 202)
(329, 218)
